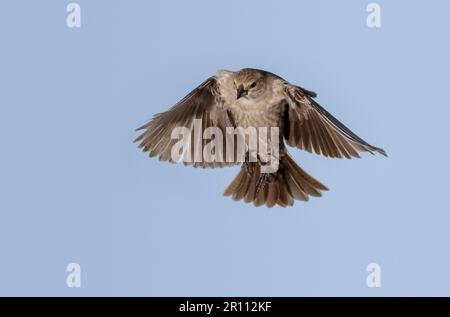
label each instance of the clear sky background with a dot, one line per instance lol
(74, 188)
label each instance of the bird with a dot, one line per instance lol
(257, 98)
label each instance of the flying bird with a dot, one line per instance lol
(258, 98)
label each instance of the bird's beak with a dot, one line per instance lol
(240, 91)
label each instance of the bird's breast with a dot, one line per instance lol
(256, 115)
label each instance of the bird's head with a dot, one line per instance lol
(249, 83)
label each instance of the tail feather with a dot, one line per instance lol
(272, 195)
(243, 188)
(235, 184)
(261, 197)
(251, 191)
(283, 187)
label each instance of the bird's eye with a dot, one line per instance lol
(253, 85)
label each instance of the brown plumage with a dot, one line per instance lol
(256, 98)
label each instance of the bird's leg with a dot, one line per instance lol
(246, 165)
(263, 178)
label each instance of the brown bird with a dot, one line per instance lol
(257, 98)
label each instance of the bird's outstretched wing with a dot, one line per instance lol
(310, 127)
(204, 103)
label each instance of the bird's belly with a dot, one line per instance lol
(260, 124)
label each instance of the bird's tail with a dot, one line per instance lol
(289, 183)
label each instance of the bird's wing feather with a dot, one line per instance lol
(310, 127)
(204, 103)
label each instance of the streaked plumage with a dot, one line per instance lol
(257, 98)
